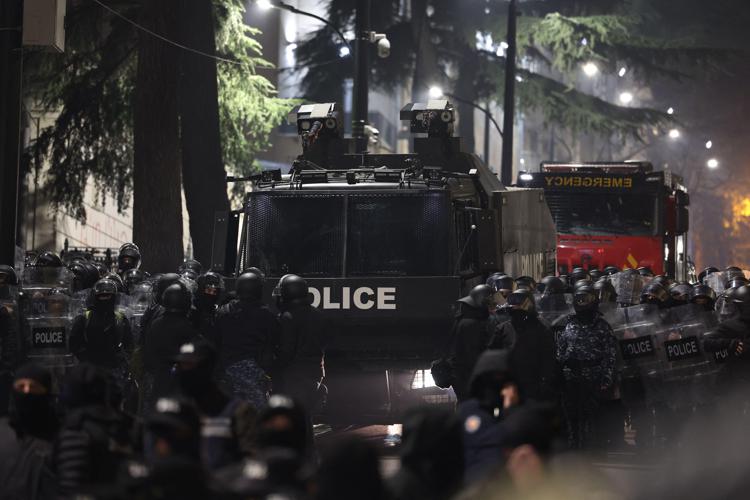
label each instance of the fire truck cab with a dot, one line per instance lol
(623, 214)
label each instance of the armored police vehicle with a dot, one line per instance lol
(387, 243)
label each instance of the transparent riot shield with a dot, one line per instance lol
(628, 287)
(554, 308)
(139, 300)
(47, 314)
(686, 372)
(717, 281)
(635, 329)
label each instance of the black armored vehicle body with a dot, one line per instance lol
(387, 243)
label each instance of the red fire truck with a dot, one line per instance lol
(622, 214)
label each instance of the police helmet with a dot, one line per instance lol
(48, 259)
(702, 294)
(585, 299)
(595, 274)
(741, 298)
(162, 283)
(605, 290)
(610, 270)
(479, 297)
(645, 271)
(522, 300)
(526, 282)
(192, 265)
(8, 275)
(706, 272)
(129, 257)
(654, 293)
(663, 280)
(579, 274)
(290, 288)
(737, 282)
(101, 269)
(249, 286)
(80, 275)
(578, 284)
(254, 270)
(210, 283)
(133, 277)
(501, 283)
(176, 298)
(680, 292)
(105, 288)
(552, 285)
(118, 281)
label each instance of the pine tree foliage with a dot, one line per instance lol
(555, 37)
(90, 89)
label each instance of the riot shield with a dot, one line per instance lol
(553, 308)
(635, 328)
(686, 372)
(717, 281)
(628, 287)
(47, 315)
(139, 300)
(725, 308)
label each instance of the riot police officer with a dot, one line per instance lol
(680, 294)
(526, 282)
(101, 335)
(587, 352)
(165, 336)
(155, 310)
(733, 335)
(532, 348)
(579, 274)
(605, 292)
(190, 269)
(703, 274)
(129, 257)
(131, 278)
(299, 352)
(655, 294)
(246, 331)
(470, 336)
(611, 270)
(210, 288)
(228, 431)
(502, 285)
(703, 296)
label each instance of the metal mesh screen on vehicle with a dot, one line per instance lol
(399, 234)
(295, 233)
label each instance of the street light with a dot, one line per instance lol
(674, 134)
(622, 71)
(435, 92)
(712, 163)
(709, 144)
(590, 69)
(670, 111)
(626, 97)
(344, 51)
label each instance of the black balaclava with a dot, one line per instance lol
(33, 414)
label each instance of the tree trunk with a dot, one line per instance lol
(203, 175)
(157, 201)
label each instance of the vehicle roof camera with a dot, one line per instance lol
(436, 118)
(314, 120)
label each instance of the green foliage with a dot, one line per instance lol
(248, 107)
(90, 90)
(551, 36)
